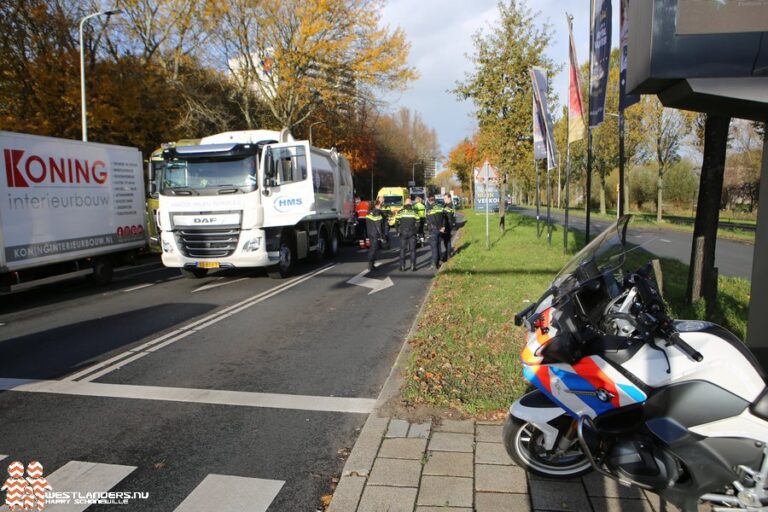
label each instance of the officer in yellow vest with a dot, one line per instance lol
(449, 216)
(435, 228)
(375, 222)
(408, 221)
(421, 210)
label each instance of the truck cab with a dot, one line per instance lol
(245, 199)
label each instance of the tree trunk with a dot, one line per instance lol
(602, 195)
(708, 208)
(659, 198)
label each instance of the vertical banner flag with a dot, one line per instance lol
(601, 56)
(539, 82)
(539, 145)
(624, 99)
(576, 127)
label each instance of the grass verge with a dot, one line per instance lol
(466, 347)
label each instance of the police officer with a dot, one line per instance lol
(449, 218)
(408, 221)
(435, 223)
(421, 210)
(375, 227)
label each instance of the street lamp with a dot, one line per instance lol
(82, 66)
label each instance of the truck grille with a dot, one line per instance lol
(208, 242)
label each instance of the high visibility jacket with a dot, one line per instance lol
(409, 220)
(435, 217)
(421, 210)
(375, 224)
(362, 209)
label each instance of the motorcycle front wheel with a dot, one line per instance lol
(525, 444)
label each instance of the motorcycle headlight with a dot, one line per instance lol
(252, 245)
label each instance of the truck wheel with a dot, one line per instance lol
(194, 273)
(333, 244)
(285, 264)
(102, 271)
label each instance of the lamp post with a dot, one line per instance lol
(83, 109)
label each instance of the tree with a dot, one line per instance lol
(462, 159)
(295, 56)
(665, 130)
(500, 87)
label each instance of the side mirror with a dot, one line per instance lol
(152, 188)
(269, 169)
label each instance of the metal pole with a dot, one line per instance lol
(487, 232)
(559, 183)
(622, 197)
(83, 108)
(589, 124)
(538, 199)
(567, 196)
(549, 199)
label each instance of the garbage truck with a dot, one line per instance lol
(254, 198)
(68, 208)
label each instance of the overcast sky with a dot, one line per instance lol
(440, 32)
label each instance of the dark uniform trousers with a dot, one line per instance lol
(435, 221)
(408, 219)
(375, 227)
(446, 235)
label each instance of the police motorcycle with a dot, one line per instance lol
(677, 407)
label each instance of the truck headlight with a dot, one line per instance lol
(167, 246)
(252, 245)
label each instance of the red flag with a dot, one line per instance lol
(576, 126)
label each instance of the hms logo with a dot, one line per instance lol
(25, 494)
(23, 171)
(283, 204)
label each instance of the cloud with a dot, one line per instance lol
(440, 33)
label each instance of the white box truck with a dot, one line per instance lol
(253, 198)
(67, 208)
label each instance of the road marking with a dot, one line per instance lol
(216, 285)
(133, 289)
(665, 240)
(148, 347)
(192, 395)
(376, 285)
(3, 456)
(85, 477)
(232, 493)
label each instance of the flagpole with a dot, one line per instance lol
(622, 192)
(589, 121)
(569, 19)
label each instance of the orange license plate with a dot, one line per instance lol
(207, 264)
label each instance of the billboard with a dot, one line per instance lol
(486, 187)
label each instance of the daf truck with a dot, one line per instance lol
(68, 208)
(255, 198)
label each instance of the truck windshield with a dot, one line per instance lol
(209, 176)
(393, 200)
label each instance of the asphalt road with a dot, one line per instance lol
(234, 388)
(731, 258)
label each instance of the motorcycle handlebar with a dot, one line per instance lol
(685, 347)
(521, 316)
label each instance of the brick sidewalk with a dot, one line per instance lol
(461, 466)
